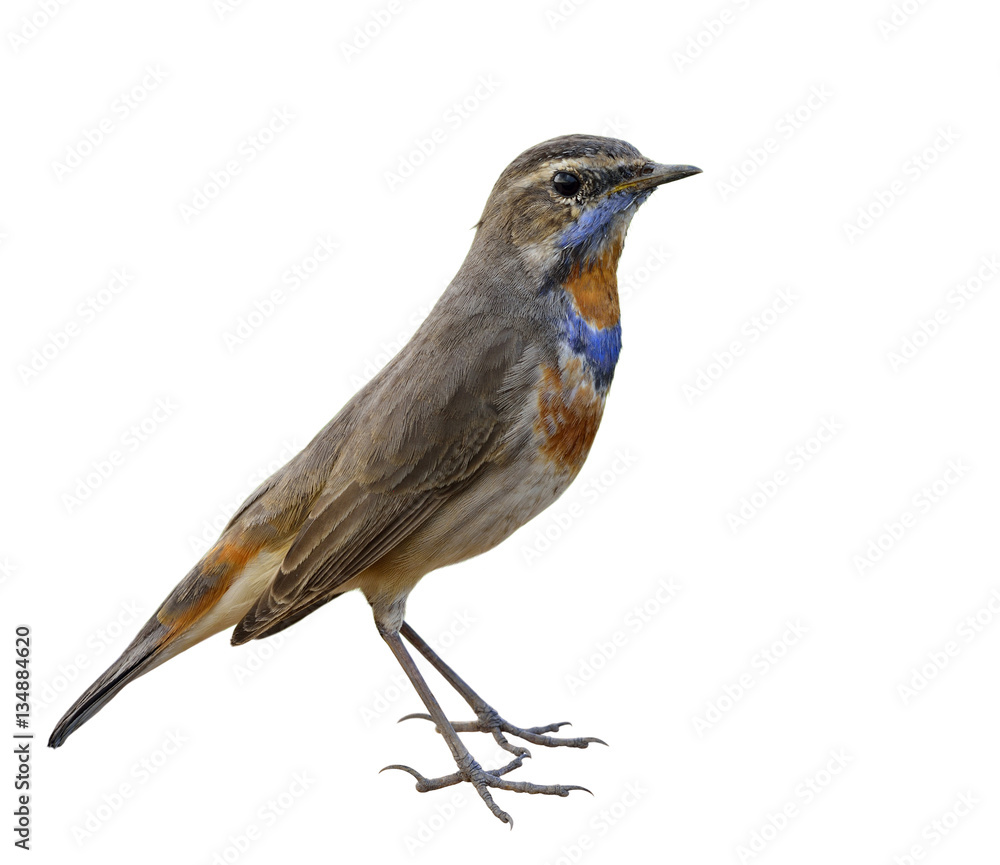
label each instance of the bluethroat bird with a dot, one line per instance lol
(478, 424)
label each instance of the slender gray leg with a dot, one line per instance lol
(487, 718)
(468, 769)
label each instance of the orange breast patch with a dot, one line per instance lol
(594, 286)
(569, 413)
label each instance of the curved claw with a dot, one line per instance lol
(413, 772)
(488, 721)
(516, 750)
(549, 728)
(420, 715)
(423, 784)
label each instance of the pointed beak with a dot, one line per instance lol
(653, 174)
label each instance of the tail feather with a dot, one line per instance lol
(215, 595)
(144, 652)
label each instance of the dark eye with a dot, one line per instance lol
(565, 183)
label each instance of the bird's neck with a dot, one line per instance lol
(592, 327)
(592, 285)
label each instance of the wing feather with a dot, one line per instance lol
(405, 449)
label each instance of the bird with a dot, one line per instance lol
(475, 426)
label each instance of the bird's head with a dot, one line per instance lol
(570, 200)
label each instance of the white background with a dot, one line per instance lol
(912, 104)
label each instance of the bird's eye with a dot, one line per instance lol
(565, 183)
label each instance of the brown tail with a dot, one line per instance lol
(180, 622)
(144, 653)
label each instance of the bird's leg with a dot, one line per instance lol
(487, 718)
(468, 769)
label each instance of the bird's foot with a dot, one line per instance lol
(488, 721)
(482, 779)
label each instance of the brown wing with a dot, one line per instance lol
(398, 452)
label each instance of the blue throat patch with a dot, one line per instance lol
(584, 240)
(589, 231)
(599, 346)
